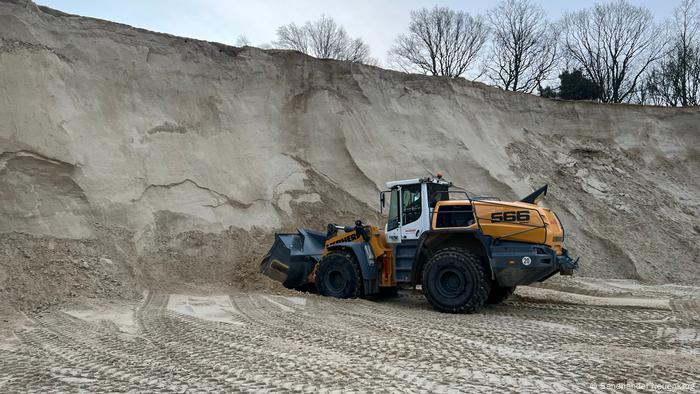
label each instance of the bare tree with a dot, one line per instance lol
(656, 89)
(687, 50)
(614, 43)
(524, 47)
(439, 41)
(324, 39)
(675, 79)
(293, 37)
(242, 41)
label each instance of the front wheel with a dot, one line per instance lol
(338, 275)
(454, 281)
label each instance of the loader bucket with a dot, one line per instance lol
(293, 257)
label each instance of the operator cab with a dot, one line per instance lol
(411, 206)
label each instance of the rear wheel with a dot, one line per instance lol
(499, 294)
(454, 281)
(338, 275)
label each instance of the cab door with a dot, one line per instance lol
(408, 218)
(393, 225)
(412, 211)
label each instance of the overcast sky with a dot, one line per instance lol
(375, 21)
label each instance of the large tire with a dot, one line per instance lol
(499, 294)
(454, 281)
(338, 275)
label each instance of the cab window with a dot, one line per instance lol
(410, 203)
(454, 216)
(393, 210)
(437, 192)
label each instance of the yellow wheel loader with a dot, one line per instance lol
(463, 251)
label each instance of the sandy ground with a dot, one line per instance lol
(541, 341)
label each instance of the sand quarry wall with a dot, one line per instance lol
(130, 158)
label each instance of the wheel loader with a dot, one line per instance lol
(463, 251)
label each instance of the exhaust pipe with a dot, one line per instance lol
(536, 196)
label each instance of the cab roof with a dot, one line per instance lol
(430, 179)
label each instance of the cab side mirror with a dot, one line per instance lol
(382, 202)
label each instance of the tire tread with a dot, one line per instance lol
(356, 267)
(481, 294)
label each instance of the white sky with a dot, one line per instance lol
(377, 22)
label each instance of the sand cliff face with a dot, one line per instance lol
(181, 146)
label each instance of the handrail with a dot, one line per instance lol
(448, 192)
(462, 190)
